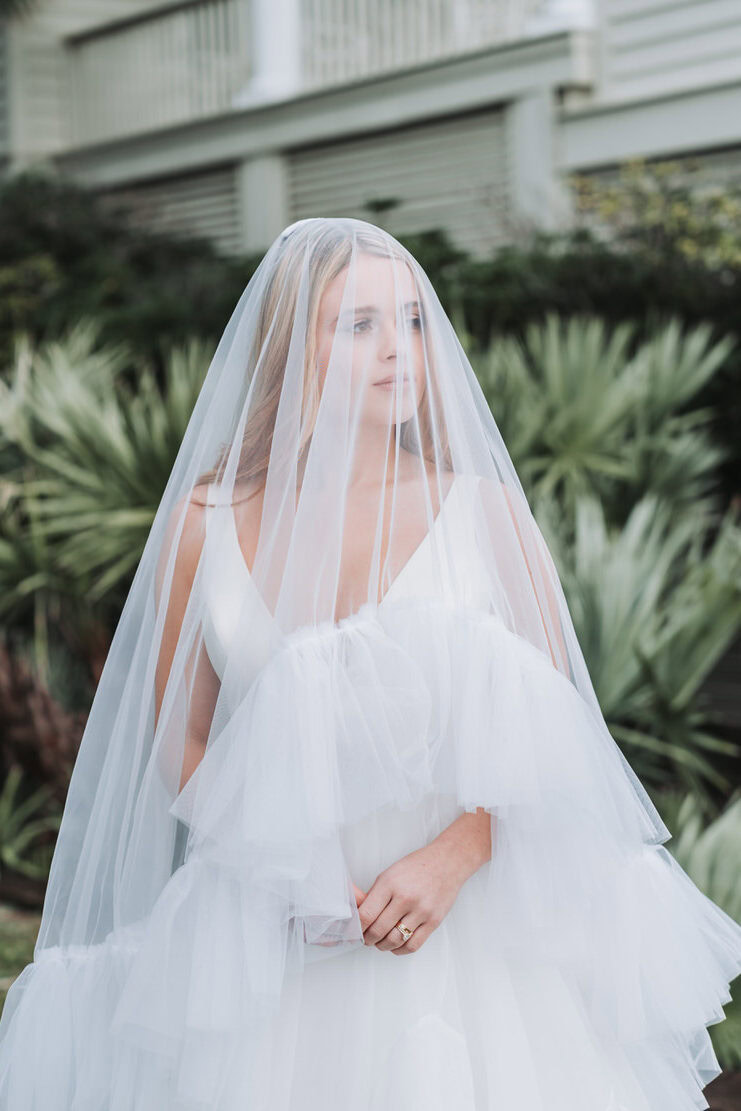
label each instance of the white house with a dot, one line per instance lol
(234, 117)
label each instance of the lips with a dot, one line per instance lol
(388, 382)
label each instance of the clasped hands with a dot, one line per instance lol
(420, 888)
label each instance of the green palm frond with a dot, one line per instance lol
(587, 410)
(560, 401)
(655, 605)
(25, 826)
(100, 454)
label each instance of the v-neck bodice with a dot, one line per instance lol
(236, 617)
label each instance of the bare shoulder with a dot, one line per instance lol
(186, 529)
(192, 508)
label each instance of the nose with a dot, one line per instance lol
(388, 343)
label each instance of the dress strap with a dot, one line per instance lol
(216, 498)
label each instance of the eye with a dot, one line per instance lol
(359, 322)
(417, 322)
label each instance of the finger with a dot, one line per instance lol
(415, 942)
(385, 920)
(389, 937)
(373, 904)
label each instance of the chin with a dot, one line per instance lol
(384, 413)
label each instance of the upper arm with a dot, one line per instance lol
(198, 684)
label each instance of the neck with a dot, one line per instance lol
(376, 457)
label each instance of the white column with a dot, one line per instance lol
(535, 194)
(263, 200)
(274, 33)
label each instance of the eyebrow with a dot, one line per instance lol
(370, 309)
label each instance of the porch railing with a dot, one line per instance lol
(169, 65)
(346, 39)
(190, 59)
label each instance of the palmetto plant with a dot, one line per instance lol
(561, 399)
(620, 469)
(25, 827)
(668, 444)
(655, 605)
(655, 600)
(44, 395)
(93, 457)
(586, 410)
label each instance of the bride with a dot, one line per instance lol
(345, 718)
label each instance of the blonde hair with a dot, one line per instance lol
(330, 254)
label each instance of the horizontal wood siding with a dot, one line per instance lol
(41, 92)
(204, 204)
(656, 46)
(450, 173)
(173, 67)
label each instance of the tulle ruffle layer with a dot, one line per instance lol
(580, 950)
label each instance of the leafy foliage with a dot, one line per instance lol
(67, 254)
(90, 449)
(25, 846)
(651, 571)
(586, 409)
(622, 472)
(666, 208)
(655, 605)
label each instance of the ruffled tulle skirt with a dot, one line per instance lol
(577, 970)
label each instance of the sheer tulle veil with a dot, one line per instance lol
(304, 643)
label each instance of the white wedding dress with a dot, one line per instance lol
(576, 971)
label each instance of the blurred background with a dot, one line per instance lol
(568, 172)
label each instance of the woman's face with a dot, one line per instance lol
(363, 339)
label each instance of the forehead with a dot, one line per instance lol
(383, 282)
